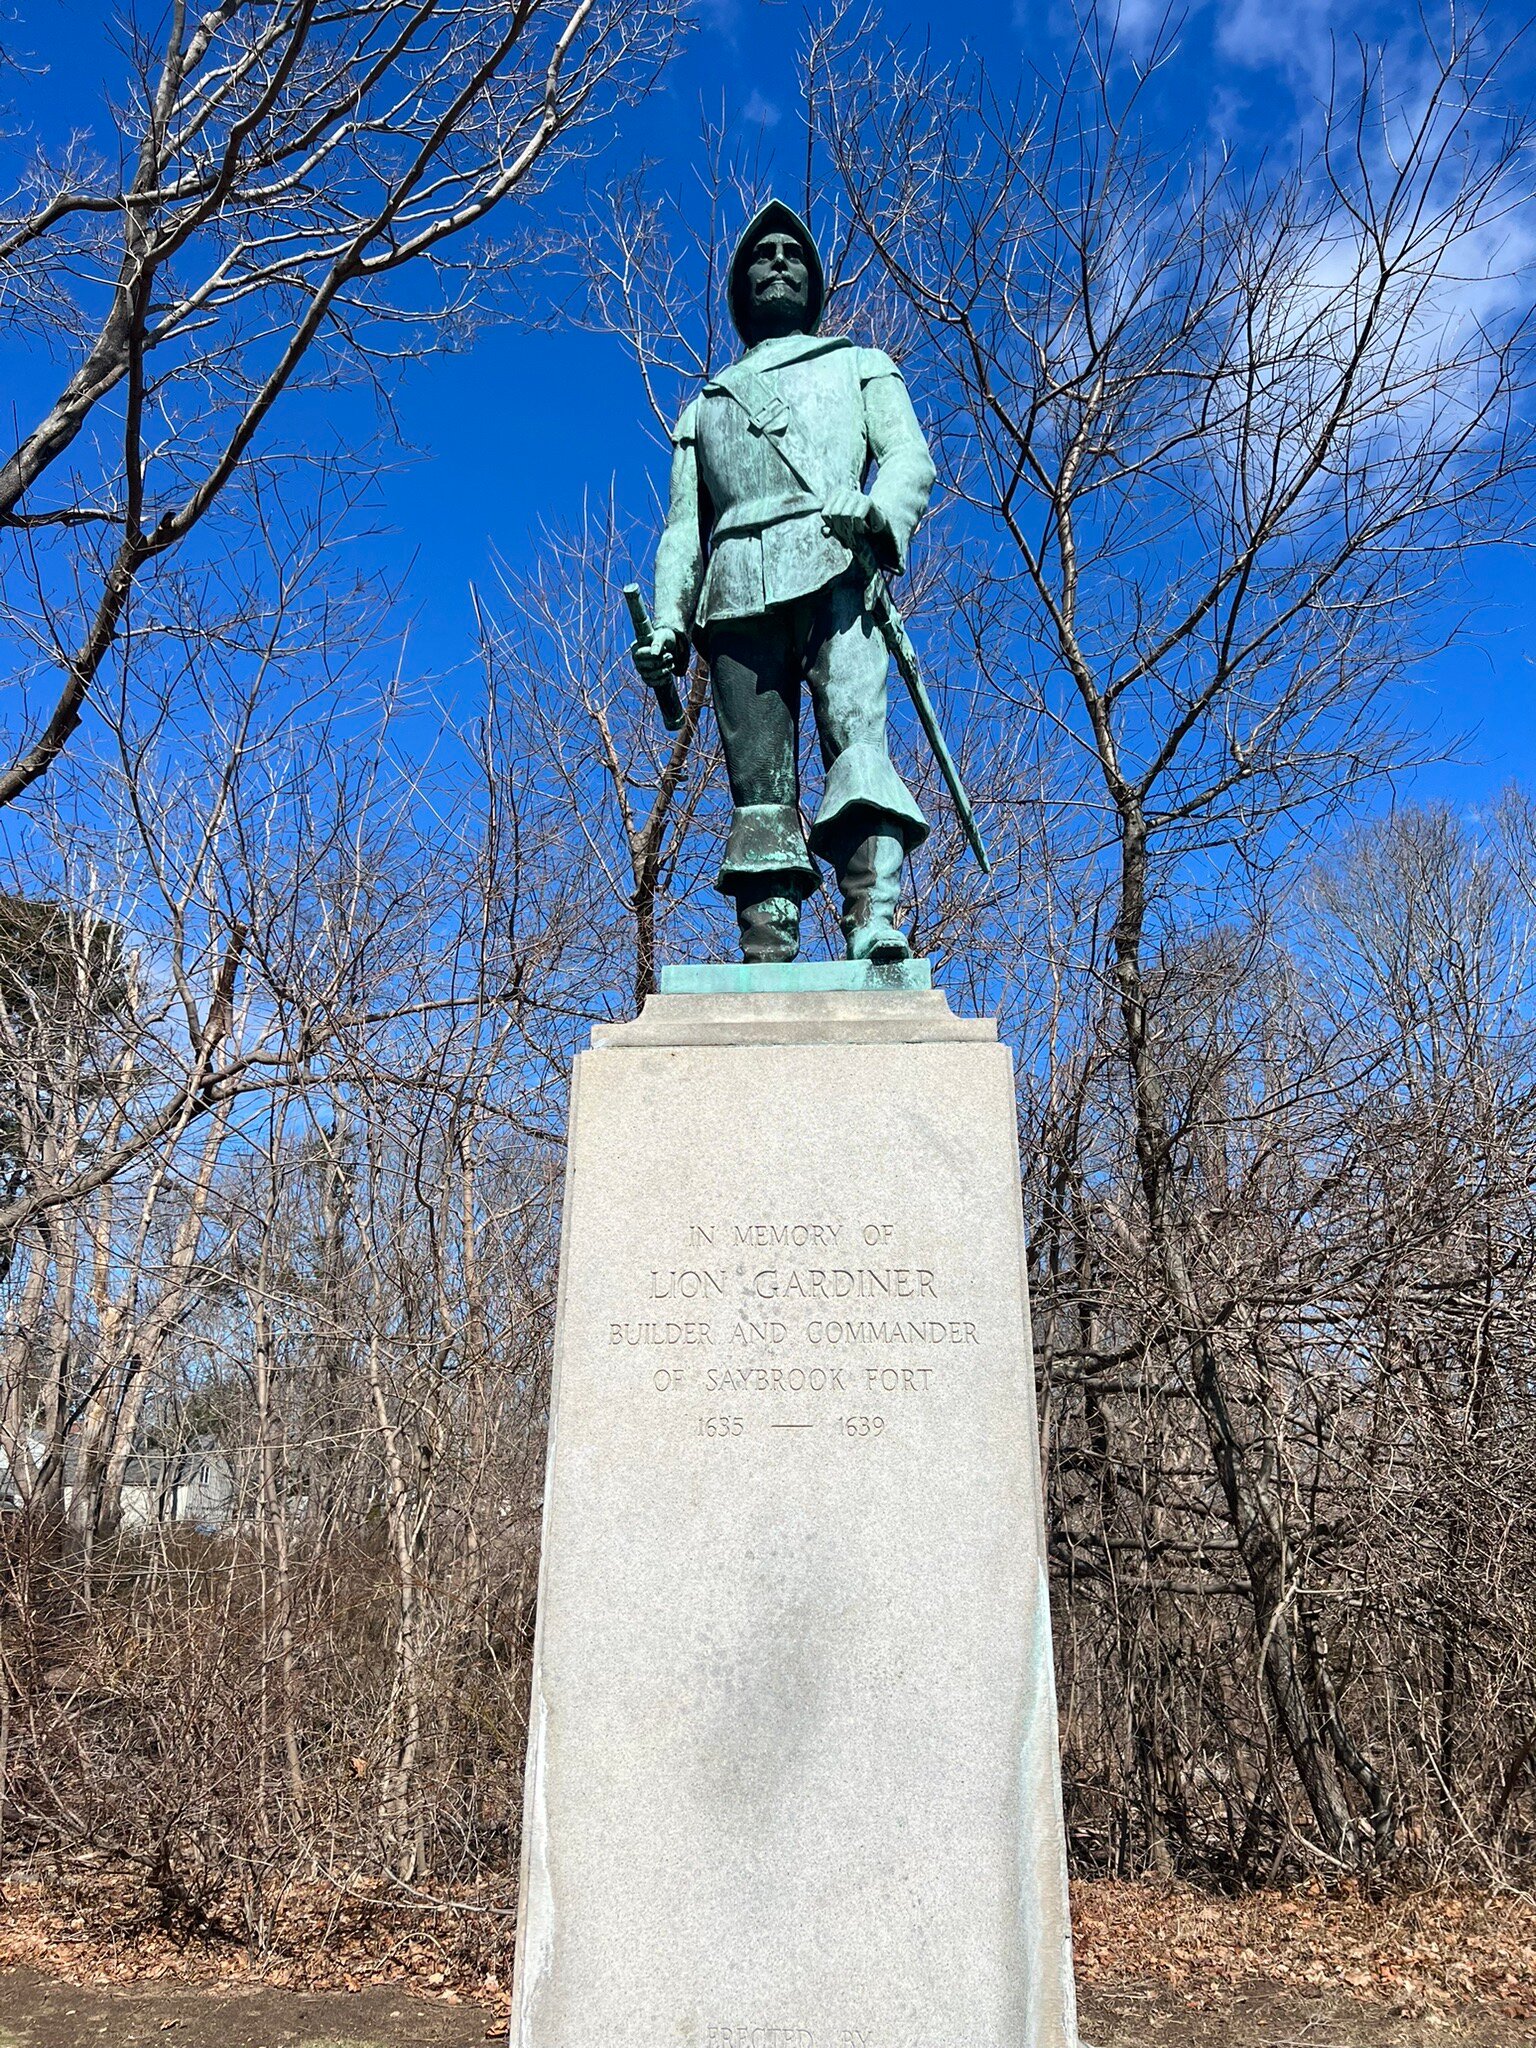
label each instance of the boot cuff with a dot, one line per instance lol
(768, 839)
(862, 776)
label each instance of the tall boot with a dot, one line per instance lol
(768, 872)
(869, 875)
(768, 917)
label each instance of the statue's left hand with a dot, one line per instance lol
(848, 516)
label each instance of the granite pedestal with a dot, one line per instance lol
(792, 1773)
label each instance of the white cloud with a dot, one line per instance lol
(763, 112)
(1138, 21)
(1293, 36)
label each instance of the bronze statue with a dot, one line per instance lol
(773, 560)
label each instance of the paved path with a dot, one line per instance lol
(42, 2012)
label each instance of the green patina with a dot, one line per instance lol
(794, 977)
(777, 542)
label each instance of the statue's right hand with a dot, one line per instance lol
(663, 658)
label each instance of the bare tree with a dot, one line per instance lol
(336, 1278)
(1232, 428)
(568, 701)
(292, 194)
(285, 1030)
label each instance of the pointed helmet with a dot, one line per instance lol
(774, 218)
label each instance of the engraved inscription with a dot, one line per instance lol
(687, 1283)
(658, 1333)
(791, 1236)
(761, 2036)
(775, 1379)
(890, 1333)
(715, 1426)
(866, 1313)
(839, 1283)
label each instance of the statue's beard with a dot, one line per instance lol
(780, 307)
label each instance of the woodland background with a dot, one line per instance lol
(295, 953)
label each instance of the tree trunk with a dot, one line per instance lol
(1254, 1500)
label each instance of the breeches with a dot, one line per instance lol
(757, 667)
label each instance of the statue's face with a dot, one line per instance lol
(779, 286)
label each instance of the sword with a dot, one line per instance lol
(670, 703)
(893, 631)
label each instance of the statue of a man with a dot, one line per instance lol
(757, 563)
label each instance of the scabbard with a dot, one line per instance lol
(892, 629)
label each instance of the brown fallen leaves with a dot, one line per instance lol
(1429, 1953)
(99, 1929)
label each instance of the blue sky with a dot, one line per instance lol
(519, 429)
(515, 430)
